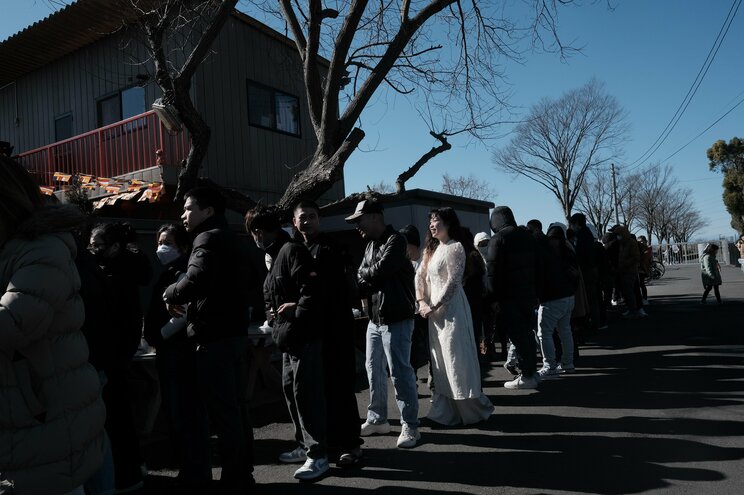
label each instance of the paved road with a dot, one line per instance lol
(655, 407)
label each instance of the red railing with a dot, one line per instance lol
(116, 149)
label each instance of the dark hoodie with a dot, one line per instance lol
(512, 264)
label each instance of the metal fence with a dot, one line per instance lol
(688, 253)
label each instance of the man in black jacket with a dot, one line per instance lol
(334, 290)
(216, 288)
(290, 293)
(512, 268)
(385, 279)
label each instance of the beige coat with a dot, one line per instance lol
(51, 413)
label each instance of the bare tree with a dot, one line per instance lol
(381, 187)
(654, 195)
(628, 188)
(446, 50)
(468, 187)
(596, 200)
(561, 140)
(686, 221)
(449, 52)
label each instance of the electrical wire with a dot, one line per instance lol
(693, 88)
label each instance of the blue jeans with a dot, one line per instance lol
(556, 315)
(391, 345)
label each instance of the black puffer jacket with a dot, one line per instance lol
(217, 283)
(292, 279)
(511, 263)
(386, 278)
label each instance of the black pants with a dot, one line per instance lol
(339, 369)
(517, 319)
(715, 291)
(222, 373)
(120, 427)
(187, 416)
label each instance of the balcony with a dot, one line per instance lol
(117, 149)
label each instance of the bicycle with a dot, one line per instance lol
(657, 270)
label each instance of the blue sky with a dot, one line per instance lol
(646, 52)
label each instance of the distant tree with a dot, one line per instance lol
(728, 158)
(654, 194)
(468, 187)
(685, 223)
(561, 140)
(628, 189)
(381, 187)
(596, 201)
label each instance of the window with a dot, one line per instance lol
(122, 105)
(272, 109)
(63, 127)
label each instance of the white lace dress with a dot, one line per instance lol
(458, 397)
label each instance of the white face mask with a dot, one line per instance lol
(167, 254)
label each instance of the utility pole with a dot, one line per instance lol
(614, 195)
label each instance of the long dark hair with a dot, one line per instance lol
(449, 218)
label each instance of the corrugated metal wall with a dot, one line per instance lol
(257, 161)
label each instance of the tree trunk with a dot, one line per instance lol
(322, 173)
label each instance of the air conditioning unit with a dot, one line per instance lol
(167, 115)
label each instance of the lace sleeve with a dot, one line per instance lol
(455, 260)
(421, 288)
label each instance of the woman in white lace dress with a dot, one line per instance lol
(457, 397)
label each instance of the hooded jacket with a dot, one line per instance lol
(629, 256)
(512, 264)
(217, 283)
(51, 413)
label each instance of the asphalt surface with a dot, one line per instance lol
(654, 407)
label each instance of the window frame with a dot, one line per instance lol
(118, 95)
(274, 92)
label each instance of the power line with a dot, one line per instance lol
(693, 88)
(704, 131)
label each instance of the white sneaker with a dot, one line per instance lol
(521, 382)
(566, 369)
(408, 437)
(374, 429)
(641, 313)
(548, 373)
(645, 302)
(313, 468)
(297, 455)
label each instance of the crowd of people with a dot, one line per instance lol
(71, 322)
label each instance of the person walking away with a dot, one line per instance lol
(126, 270)
(512, 284)
(339, 351)
(51, 421)
(458, 398)
(586, 256)
(176, 363)
(294, 313)
(710, 272)
(385, 278)
(216, 288)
